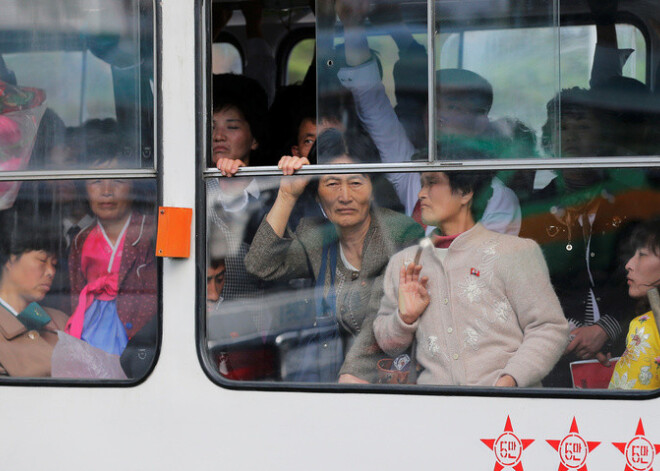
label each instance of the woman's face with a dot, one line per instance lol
(110, 200)
(29, 275)
(438, 203)
(346, 199)
(643, 272)
(232, 137)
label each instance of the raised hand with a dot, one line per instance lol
(413, 295)
(352, 12)
(292, 186)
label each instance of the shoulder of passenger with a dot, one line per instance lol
(393, 221)
(406, 255)
(518, 246)
(58, 317)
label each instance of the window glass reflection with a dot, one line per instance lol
(78, 283)
(74, 66)
(337, 296)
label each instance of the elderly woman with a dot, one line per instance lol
(28, 330)
(478, 304)
(639, 366)
(112, 262)
(345, 255)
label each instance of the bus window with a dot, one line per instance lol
(297, 303)
(78, 273)
(71, 69)
(299, 60)
(37, 69)
(486, 240)
(226, 59)
(482, 52)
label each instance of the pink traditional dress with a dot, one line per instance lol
(95, 320)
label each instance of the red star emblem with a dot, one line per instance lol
(639, 451)
(573, 450)
(508, 448)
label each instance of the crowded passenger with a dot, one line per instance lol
(236, 206)
(578, 216)
(345, 254)
(638, 367)
(29, 331)
(478, 305)
(464, 101)
(112, 263)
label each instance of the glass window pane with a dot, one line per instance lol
(226, 59)
(78, 285)
(607, 108)
(491, 81)
(65, 67)
(297, 293)
(372, 75)
(299, 59)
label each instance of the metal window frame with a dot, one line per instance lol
(143, 174)
(532, 163)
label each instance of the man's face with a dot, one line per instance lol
(215, 281)
(456, 115)
(580, 134)
(305, 139)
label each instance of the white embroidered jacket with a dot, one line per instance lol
(492, 312)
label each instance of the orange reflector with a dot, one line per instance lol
(173, 238)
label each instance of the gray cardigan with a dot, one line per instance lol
(492, 312)
(299, 255)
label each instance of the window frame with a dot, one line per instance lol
(133, 174)
(205, 173)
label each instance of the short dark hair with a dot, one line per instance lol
(332, 143)
(476, 90)
(646, 235)
(246, 95)
(571, 102)
(478, 182)
(101, 148)
(21, 233)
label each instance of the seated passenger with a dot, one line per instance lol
(345, 254)
(478, 304)
(28, 257)
(112, 262)
(638, 366)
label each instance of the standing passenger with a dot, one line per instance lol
(236, 206)
(639, 367)
(478, 304)
(345, 254)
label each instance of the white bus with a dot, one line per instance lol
(134, 337)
